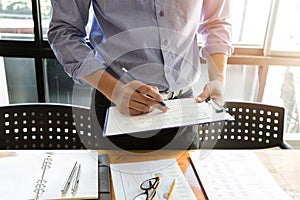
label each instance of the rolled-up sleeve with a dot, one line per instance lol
(215, 28)
(67, 38)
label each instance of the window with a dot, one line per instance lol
(45, 12)
(60, 88)
(269, 27)
(286, 32)
(283, 89)
(45, 15)
(246, 14)
(21, 82)
(3, 86)
(34, 76)
(16, 22)
(264, 67)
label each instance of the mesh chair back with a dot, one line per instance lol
(44, 126)
(256, 126)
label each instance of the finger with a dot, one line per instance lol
(155, 88)
(140, 106)
(134, 109)
(160, 106)
(151, 91)
(148, 95)
(134, 112)
(203, 96)
(145, 103)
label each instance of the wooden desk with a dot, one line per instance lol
(284, 165)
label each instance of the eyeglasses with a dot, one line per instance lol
(147, 185)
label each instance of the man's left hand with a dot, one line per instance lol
(212, 90)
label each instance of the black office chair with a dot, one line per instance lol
(45, 126)
(256, 126)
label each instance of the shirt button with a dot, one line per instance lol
(161, 13)
(168, 70)
(165, 42)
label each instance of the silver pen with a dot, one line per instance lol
(76, 180)
(68, 180)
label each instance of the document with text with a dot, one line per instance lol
(127, 179)
(235, 174)
(182, 112)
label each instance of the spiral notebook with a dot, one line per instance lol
(36, 175)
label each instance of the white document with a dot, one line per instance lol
(127, 178)
(182, 112)
(235, 175)
(19, 175)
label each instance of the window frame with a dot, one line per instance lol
(37, 49)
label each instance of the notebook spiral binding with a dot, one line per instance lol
(41, 183)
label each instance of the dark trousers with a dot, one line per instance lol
(171, 138)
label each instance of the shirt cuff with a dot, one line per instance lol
(216, 48)
(87, 67)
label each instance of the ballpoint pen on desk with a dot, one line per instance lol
(68, 180)
(133, 77)
(171, 190)
(76, 180)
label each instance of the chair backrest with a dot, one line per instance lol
(45, 126)
(255, 126)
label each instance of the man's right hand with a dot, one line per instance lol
(135, 98)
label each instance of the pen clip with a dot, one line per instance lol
(217, 107)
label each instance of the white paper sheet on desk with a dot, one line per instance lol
(127, 178)
(235, 174)
(182, 112)
(19, 175)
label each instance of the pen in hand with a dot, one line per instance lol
(133, 77)
(68, 180)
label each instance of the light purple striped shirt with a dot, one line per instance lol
(155, 39)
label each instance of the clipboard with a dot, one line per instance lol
(182, 112)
